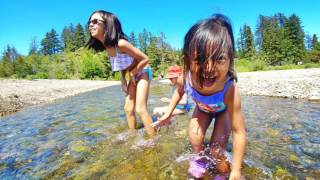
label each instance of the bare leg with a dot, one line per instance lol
(197, 129)
(219, 140)
(142, 90)
(129, 106)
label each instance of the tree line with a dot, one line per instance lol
(276, 41)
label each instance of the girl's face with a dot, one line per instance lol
(215, 71)
(174, 80)
(96, 26)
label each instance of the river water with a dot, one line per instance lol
(86, 137)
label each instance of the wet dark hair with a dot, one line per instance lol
(208, 40)
(113, 32)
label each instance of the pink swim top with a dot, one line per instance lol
(121, 61)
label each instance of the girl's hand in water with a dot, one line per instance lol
(162, 121)
(124, 86)
(235, 175)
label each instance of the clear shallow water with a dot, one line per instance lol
(86, 136)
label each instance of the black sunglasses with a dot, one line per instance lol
(95, 21)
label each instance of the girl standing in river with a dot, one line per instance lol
(106, 35)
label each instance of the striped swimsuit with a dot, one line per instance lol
(122, 61)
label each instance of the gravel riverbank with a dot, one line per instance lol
(299, 83)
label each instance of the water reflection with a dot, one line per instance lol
(86, 136)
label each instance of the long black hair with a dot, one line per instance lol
(208, 40)
(112, 32)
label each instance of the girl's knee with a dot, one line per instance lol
(128, 109)
(141, 110)
(197, 148)
(196, 141)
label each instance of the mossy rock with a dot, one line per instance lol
(281, 173)
(293, 158)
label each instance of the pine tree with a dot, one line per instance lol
(245, 43)
(144, 39)
(308, 42)
(315, 52)
(33, 46)
(67, 37)
(153, 53)
(250, 50)
(133, 39)
(314, 41)
(294, 31)
(45, 47)
(10, 54)
(79, 36)
(261, 25)
(54, 42)
(240, 43)
(273, 40)
(51, 44)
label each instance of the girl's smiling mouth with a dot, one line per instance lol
(209, 81)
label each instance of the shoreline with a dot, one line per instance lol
(17, 94)
(298, 84)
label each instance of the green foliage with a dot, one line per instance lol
(6, 68)
(153, 53)
(117, 76)
(21, 68)
(33, 46)
(79, 36)
(143, 40)
(51, 43)
(246, 43)
(281, 173)
(244, 65)
(279, 42)
(133, 40)
(67, 38)
(281, 39)
(314, 55)
(91, 66)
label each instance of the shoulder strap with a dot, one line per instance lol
(227, 85)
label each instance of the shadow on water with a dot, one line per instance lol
(86, 136)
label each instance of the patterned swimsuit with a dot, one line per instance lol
(210, 104)
(122, 61)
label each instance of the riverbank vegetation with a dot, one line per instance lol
(279, 42)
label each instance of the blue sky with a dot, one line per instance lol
(23, 20)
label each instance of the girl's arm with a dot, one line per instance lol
(176, 97)
(238, 130)
(134, 52)
(183, 100)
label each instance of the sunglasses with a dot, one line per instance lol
(95, 21)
